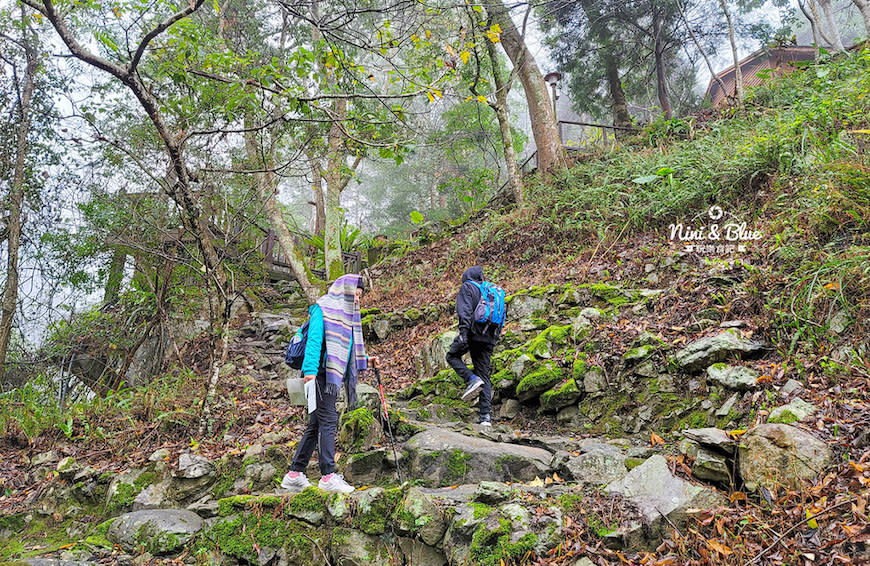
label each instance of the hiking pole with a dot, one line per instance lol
(386, 417)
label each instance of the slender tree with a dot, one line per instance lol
(738, 72)
(551, 154)
(24, 81)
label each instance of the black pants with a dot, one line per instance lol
(320, 433)
(481, 352)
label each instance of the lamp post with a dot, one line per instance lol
(552, 78)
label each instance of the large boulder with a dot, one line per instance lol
(658, 494)
(560, 396)
(523, 305)
(597, 467)
(157, 531)
(707, 351)
(774, 455)
(543, 377)
(740, 378)
(442, 457)
(797, 410)
(420, 515)
(433, 357)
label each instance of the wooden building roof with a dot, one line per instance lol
(779, 59)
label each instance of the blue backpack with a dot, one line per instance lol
(295, 354)
(490, 308)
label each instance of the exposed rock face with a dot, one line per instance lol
(712, 466)
(712, 349)
(596, 467)
(733, 377)
(521, 306)
(657, 494)
(442, 457)
(713, 438)
(159, 531)
(796, 411)
(433, 357)
(774, 455)
(421, 514)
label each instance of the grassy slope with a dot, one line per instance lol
(792, 164)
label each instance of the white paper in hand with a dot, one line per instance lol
(311, 395)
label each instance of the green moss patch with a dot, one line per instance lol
(493, 547)
(560, 395)
(539, 380)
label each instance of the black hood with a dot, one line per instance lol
(473, 274)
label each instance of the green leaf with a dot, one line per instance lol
(646, 179)
(416, 217)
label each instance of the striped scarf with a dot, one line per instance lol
(341, 323)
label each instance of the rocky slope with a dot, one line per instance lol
(574, 467)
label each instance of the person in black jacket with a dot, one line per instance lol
(477, 338)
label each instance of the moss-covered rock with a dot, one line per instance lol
(543, 377)
(547, 343)
(638, 353)
(420, 515)
(309, 505)
(797, 410)
(560, 395)
(376, 509)
(609, 295)
(250, 536)
(359, 431)
(125, 487)
(492, 545)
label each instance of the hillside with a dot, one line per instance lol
(620, 338)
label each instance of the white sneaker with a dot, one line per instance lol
(298, 483)
(335, 483)
(473, 389)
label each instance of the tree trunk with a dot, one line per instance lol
(661, 78)
(16, 193)
(504, 125)
(814, 26)
(836, 40)
(817, 20)
(267, 188)
(317, 193)
(333, 174)
(738, 72)
(864, 7)
(116, 275)
(551, 154)
(263, 160)
(618, 104)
